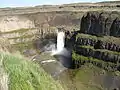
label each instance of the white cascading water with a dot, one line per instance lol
(60, 41)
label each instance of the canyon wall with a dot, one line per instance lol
(101, 23)
(20, 28)
(47, 18)
(23, 25)
(103, 51)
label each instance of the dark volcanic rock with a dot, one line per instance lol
(98, 44)
(101, 24)
(105, 56)
(115, 28)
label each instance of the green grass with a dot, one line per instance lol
(86, 76)
(86, 46)
(97, 62)
(22, 46)
(3, 77)
(86, 36)
(101, 50)
(27, 75)
(21, 37)
(109, 39)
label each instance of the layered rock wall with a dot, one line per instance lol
(99, 54)
(98, 44)
(21, 29)
(104, 23)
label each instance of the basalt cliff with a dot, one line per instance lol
(101, 23)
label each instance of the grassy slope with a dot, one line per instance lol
(89, 77)
(3, 77)
(85, 78)
(108, 39)
(86, 75)
(26, 75)
(101, 50)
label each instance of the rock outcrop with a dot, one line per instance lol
(98, 44)
(104, 23)
(21, 29)
(101, 55)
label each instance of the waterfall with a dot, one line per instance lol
(61, 53)
(60, 43)
(62, 56)
(55, 66)
(60, 40)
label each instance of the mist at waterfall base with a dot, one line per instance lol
(55, 48)
(58, 50)
(61, 53)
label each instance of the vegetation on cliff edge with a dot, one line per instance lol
(27, 75)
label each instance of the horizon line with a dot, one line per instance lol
(25, 6)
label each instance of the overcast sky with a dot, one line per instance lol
(17, 3)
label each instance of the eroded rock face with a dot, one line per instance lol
(101, 55)
(21, 29)
(101, 24)
(115, 28)
(9, 23)
(98, 44)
